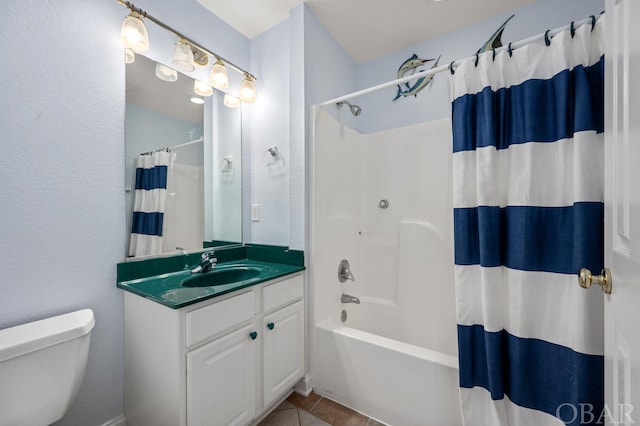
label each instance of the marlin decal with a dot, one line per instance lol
(495, 40)
(410, 65)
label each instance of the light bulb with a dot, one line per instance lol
(197, 100)
(231, 101)
(129, 55)
(218, 76)
(134, 34)
(247, 91)
(202, 89)
(165, 73)
(182, 57)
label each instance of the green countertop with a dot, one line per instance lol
(167, 289)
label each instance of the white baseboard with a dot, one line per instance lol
(118, 421)
(303, 387)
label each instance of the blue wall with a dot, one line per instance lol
(268, 121)
(380, 113)
(62, 168)
(62, 179)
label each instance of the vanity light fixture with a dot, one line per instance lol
(134, 34)
(129, 55)
(247, 90)
(197, 100)
(186, 52)
(165, 73)
(219, 78)
(231, 101)
(202, 89)
(182, 57)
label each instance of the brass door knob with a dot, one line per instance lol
(586, 279)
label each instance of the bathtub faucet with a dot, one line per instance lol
(345, 298)
(207, 263)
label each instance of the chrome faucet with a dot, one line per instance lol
(207, 263)
(345, 298)
(344, 271)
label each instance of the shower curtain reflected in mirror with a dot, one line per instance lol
(152, 170)
(169, 201)
(528, 214)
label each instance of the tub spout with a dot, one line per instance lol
(345, 298)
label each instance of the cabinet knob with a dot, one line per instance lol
(270, 326)
(253, 335)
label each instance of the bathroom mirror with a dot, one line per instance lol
(183, 164)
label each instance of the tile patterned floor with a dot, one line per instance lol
(315, 410)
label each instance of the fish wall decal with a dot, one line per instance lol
(495, 40)
(410, 65)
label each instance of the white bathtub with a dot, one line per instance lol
(393, 382)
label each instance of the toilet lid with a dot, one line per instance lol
(32, 336)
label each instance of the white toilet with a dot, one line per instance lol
(42, 364)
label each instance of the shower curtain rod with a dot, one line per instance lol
(186, 143)
(169, 148)
(433, 71)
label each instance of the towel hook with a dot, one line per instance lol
(451, 68)
(476, 63)
(510, 50)
(547, 41)
(273, 152)
(494, 53)
(593, 22)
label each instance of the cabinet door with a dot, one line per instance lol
(283, 350)
(221, 380)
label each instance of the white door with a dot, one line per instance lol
(622, 211)
(283, 350)
(221, 380)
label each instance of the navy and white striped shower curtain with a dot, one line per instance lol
(528, 214)
(152, 172)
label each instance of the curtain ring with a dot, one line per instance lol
(451, 68)
(476, 63)
(510, 50)
(547, 41)
(573, 29)
(593, 22)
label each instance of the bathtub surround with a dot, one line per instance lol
(528, 214)
(402, 259)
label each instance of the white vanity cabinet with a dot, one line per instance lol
(224, 361)
(283, 342)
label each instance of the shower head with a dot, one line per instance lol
(355, 109)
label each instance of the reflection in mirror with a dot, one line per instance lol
(183, 175)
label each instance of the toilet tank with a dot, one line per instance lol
(42, 364)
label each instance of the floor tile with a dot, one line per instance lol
(288, 417)
(286, 405)
(304, 402)
(338, 415)
(307, 419)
